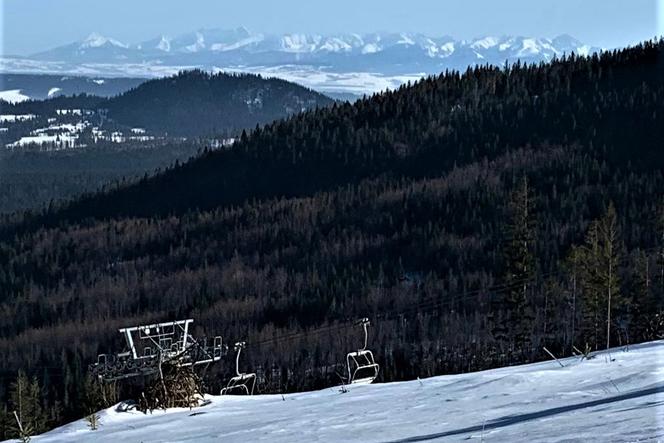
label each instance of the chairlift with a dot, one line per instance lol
(362, 368)
(243, 382)
(217, 348)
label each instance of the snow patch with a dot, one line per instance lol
(198, 45)
(164, 44)
(485, 43)
(96, 40)
(69, 111)
(447, 48)
(222, 47)
(583, 50)
(13, 96)
(16, 117)
(529, 47)
(299, 42)
(371, 48)
(405, 39)
(60, 141)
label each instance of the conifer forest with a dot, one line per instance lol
(474, 217)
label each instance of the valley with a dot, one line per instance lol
(72, 145)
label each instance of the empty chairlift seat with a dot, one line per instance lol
(362, 368)
(243, 383)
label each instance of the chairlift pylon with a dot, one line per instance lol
(362, 368)
(242, 381)
(148, 347)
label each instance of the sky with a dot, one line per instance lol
(29, 26)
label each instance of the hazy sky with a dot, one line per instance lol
(33, 25)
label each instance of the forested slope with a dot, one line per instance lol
(474, 218)
(608, 104)
(197, 103)
(202, 107)
(191, 103)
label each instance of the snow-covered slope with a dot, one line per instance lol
(13, 96)
(586, 401)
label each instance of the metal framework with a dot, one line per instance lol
(362, 368)
(242, 382)
(149, 347)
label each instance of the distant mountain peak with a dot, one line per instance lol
(164, 44)
(96, 40)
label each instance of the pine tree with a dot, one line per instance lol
(643, 302)
(609, 265)
(602, 298)
(6, 423)
(660, 254)
(25, 401)
(589, 256)
(519, 243)
(573, 266)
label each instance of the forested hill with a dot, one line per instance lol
(606, 106)
(198, 103)
(473, 218)
(193, 103)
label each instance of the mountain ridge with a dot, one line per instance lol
(222, 40)
(348, 62)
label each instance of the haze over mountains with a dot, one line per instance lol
(332, 63)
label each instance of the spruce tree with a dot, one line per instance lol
(609, 266)
(25, 402)
(589, 256)
(519, 243)
(602, 299)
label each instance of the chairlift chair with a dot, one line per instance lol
(362, 368)
(243, 382)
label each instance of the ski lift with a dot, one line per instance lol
(362, 368)
(243, 382)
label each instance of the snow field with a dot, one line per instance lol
(587, 400)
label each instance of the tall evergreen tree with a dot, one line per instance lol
(519, 244)
(660, 253)
(609, 267)
(603, 301)
(25, 401)
(572, 266)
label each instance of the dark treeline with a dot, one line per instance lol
(31, 179)
(51, 105)
(438, 211)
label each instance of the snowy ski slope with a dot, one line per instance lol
(586, 401)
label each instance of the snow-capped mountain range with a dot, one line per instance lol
(344, 62)
(239, 45)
